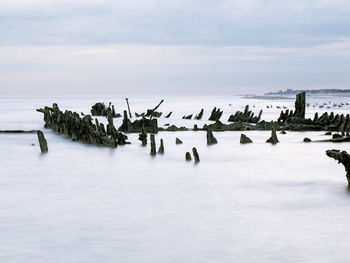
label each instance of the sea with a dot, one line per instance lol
(257, 202)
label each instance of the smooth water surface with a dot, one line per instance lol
(242, 203)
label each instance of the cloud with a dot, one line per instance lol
(182, 22)
(229, 46)
(133, 69)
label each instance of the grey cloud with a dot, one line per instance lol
(221, 23)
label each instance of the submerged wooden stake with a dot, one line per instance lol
(127, 102)
(153, 145)
(161, 147)
(42, 141)
(195, 155)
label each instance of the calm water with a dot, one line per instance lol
(242, 203)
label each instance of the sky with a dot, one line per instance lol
(103, 47)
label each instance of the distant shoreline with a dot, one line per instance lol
(314, 91)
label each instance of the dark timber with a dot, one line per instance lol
(245, 139)
(273, 139)
(215, 114)
(178, 141)
(195, 155)
(199, 115)
(17, 131)
(188, 156)
(210, 138)
(153, 145)
(127, 102)
(161, 147)
(42, 142)
(82, 129)
(342, 157)
(143, 137)
(246, 116)
(100, 109)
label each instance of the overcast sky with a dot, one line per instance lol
(61, 47)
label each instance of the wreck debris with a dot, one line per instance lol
(188, 156)
(210, 138)
(178, 141)
(149, 125)
(17, 131)
(168, 115)
(245, 139)
(173, 128)
(143, 137)
(195, 155)
(153, 145)
(81, 129)
(215, 114)
(153, 112)
(127, 102)
(336, 136)
(273, 139)
(299, 112)
(283, 132)
(306, 139)
(246, 116)
(100, 109)
(300, 105)
(199, 115)
(42, 141)
(339, 139)
(161, 147)
(188, 117)
(342, 157)
(296, 120)
(236, 126)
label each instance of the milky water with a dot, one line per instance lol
(243, 203)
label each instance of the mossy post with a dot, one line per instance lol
(188, 156)
(273, 139)
(161, 147)
(245, 139)
(153, 145)
(210, 138)
(342, 157)
(127, 102)
(42, 141)
(143, 137)
(178, 141)
(195, 155)
(300, 105)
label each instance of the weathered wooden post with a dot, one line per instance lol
(342, 157)
(195, 155)
(245, 139)
(127, 102)
(42, 141)
(273, 139)
(300, 105)
(178, 141)
(143, 137)
(153, 145)
(161, 147)
(210, 138)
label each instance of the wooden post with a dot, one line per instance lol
(153, 145)
(195, 155)
(127, 102)
(42, 141)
